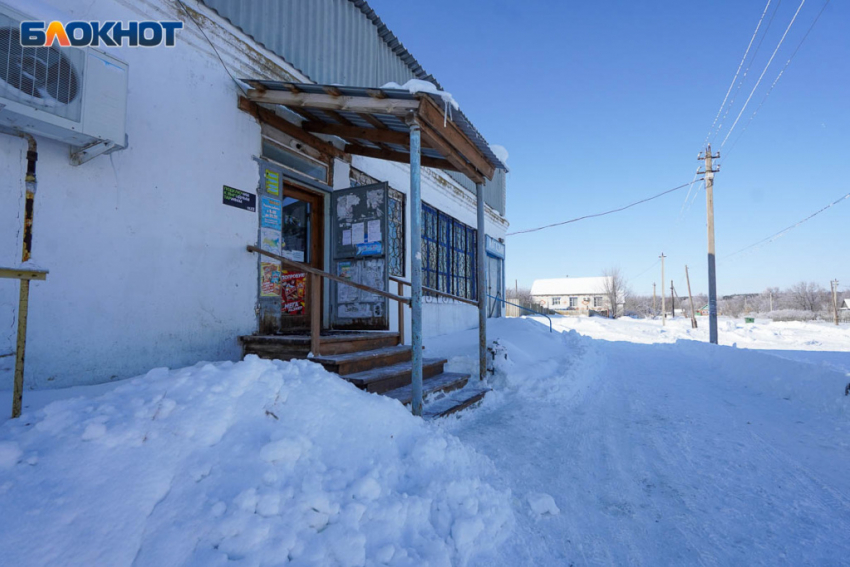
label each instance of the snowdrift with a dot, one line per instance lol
(258, 462)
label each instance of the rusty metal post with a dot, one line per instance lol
(482, 286)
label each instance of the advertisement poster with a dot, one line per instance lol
(239, 199)
(270, 213)
(272, 182)
(270, 280)
(270, 242)
(293, 293)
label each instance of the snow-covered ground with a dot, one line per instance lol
(604, 442)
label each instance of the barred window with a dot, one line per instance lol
(395, 227)
(448, 254)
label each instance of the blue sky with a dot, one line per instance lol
(604, 103)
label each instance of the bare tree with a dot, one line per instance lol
(615, 290)
(807, 296)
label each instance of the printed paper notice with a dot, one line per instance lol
(358, 233)
(373, 231)
(346, 237)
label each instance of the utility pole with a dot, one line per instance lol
(653, 298)
(691, 297)
(709, 172)
(834, 285)
(663, 306)
(672, 302)
(770, 294)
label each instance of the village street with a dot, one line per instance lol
(678, 454)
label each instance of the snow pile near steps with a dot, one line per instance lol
(259, 462)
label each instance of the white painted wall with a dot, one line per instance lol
(147, 266)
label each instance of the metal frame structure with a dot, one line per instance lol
(394, 125)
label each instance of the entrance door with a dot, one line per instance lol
(359, 253)
(495, 267)
(291, 226)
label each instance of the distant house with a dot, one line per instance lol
(846, 305)
(574, 296)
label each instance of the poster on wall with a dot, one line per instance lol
(272, 182)
(270, 280)
(270, 242)
(270, 213)
(293, 293)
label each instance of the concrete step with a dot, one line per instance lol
(445, 382)
(380, 380)
(349, 363)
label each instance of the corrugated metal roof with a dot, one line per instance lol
(391, 122)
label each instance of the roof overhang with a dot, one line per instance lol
(376, 123)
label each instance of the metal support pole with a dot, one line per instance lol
(416, 264)
(482, 286)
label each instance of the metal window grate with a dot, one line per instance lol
(448, 254)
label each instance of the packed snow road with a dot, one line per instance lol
(667, 454)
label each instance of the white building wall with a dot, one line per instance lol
(147, 266)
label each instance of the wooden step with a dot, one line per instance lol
(454, 402)
(380, 380)
(352, 362)
(287, 347)
(445, 382)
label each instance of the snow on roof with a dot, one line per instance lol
(569, 286)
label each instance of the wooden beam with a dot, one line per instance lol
(432, 115)
(376, 93)
(441, 145)
(397, 107)
(371, 134)
(399, 157)
(272, 119)
(23, 274)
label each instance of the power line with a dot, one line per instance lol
(735, 78)
(606, 212)
(793, 226)
(747, 125)
(646, 270)
(746, 71)
(758, 82)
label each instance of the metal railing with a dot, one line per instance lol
(523, 308)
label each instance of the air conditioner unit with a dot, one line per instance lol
(73, 95)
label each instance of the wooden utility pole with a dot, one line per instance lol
(834, 284)
(770, 294)
(691, 297)
(653, 299)
(672, 302)
(709, 172)
(663, 306)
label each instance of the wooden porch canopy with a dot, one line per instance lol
(373, 122)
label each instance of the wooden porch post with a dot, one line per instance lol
(482, 286)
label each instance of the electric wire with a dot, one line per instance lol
(782, 232)
(746, 72)
(758, 82)
(787, 63)
(606, 212)
(735, 78)
(217, 54)
(647, 270)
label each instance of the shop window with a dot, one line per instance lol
(556, 301)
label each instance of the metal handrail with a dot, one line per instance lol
(525, 308)
(436, 291)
